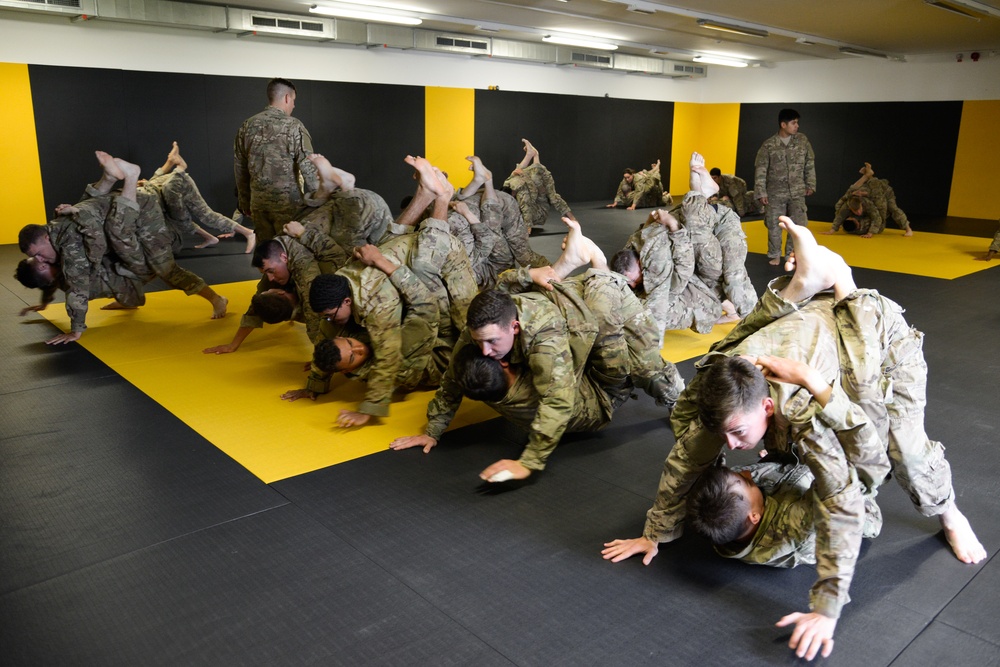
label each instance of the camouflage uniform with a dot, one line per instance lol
(734, 194)
(720, 250)
(625, 349)
(308, 256)
(995, 245)
(183, 206)
(645, 191)
(783, 173)
(676, 298)
(876, 206)
(535, 191)
(350, 217)
(545, 352)
(270, 155)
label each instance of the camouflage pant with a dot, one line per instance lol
(351, 218)
(699, 219)
(736, 283)
(995, 246)
(270, 214)
(695, 307)
(183, 206)
(138, 235)
(794, 208)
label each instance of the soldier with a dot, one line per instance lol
(183, 206)
(270, 154)
(866, 205)
(642, 189)
(784, 175)
(130, 224)
(734, 194)
(532, 185)
(349, 215)
(547, 340)
(106, 282)
(840, 429)
(994, 248)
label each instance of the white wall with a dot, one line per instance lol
(41, 39)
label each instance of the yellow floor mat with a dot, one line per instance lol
(923, 254)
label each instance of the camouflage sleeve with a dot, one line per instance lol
(323, 247)
(77, 276)
(250, 318)
(558, 203)
(514, 281)
(447, 399)
(304, 270)
(790, 538)
(516, 234)
(995, 245)
(876, 221)
(842, 212)
(318, 381)
(621, 199)
(482, 248)
(385, 313)
(760, 166)
(91, 229)
(810, 169)
(305, 169)
(551, 365)
(419, 329)
(242, 171)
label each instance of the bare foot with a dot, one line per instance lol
(960, 536)
(174, 158)
(701, 180)
(812, 272)
(219, 304)
(115, 305)
(426, 177)
(463, 209)
(578, 251)
(129, 171)
(479, 169)
(207, 243)
(447, 189)
(530, 151)
(109, 165)
(331, 179)
(775, 262)
(251, 243)
(909, 231)
(66, 209)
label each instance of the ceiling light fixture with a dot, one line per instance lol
(576, 41)
(732, 28)
(951, 8)
(719, 60)
(360, 15)
(851, 51)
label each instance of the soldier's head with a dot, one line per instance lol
(274, 305)
(724, 506)
(481, 378)
(340, 355)
(492, 323)
(734, 401)
(35, 274)
(33, 240)
(629, 174)
(281, 94)
(272, 260)
(855, 205)
(716, 175)
(330, 296)
(626, 262)
(788, 122)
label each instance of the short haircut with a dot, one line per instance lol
(480, 377)
(715, 172)
(29, 236)
(326, 356)
(730, 386)
(272, 308)
(714, 510)
(850, 226)
(629, 170)
(277, 88)
(854, 203)
(787, 116)
(624, 260)
(28, 275)
(328, 291)
(491, 307)
(269, 249)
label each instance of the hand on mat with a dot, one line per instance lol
(516, 470)
(350, 418)
(866, 236)
(64, 338)
(618, 550)
(828, 232)
(296, 394)
(32, 309)
(812, 632)
(407, 441)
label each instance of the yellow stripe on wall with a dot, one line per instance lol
(21, 199)
(975, 159)
(449, 130)
(710, 129)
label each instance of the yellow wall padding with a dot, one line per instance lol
(21, 200)
(710, 129)
(977, 161)
(450, 130)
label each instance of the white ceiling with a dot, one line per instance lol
(897, 28)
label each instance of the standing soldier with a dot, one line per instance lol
(270, 154)
(784, 175)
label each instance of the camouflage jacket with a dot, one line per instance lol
(270, 155)
(782, 171)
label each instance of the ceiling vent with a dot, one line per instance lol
(531, 51)
(637, 64)
(251, 21)
(65, 7)
(584, 58)
(686, 70)
(390, 36)
(435, 41)
(164, 12)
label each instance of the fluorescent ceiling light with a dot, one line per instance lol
(951, 8)
(719, 60)
(851, 51)
(578, 41)
(361, 15)
(732, 28)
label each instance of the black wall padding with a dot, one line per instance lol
(366, 129)
(912, 144)
(585, 142)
